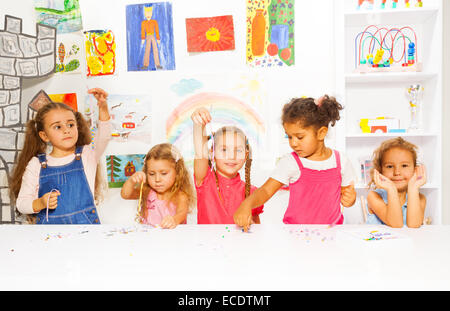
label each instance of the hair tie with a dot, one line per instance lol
(319, 101)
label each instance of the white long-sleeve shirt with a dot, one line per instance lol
(90, 157)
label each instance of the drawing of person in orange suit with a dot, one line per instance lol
(149, 36)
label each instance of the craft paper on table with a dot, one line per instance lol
(210, 34)
(100, 52)
(121, 167)
(270, 33)
(65, 15)
(381, 235)
(225, 110)
(150, 41)
(68, 53)
(70, 99)
(130, 116)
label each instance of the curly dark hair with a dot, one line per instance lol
(309, 113)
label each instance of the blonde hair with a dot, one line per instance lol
(378, 154)
(33, 145)
(248, 155)
(182, 181)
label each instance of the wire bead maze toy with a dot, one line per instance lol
(395, 51)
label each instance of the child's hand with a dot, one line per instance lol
(168, 222)
(382, 181)
(201, 116)
(52, 198)
(243, 217)
(348, 195)
(419, 178)
(138, 177)
(100, 95)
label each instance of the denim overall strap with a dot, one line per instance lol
(76, 201)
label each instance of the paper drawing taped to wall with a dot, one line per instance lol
(270, 33)
(120, 167)
(210, 34)
(100, 52)
(69, 53)
(21, 56)
(65, 15)
(130, 116)
(150, 41)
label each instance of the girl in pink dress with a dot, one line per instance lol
(320, 179)
(165, 186)
(219, 187)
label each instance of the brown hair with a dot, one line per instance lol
(310, 113)
(379, 153)
(248, 155)
(182, 182)
(33, 145)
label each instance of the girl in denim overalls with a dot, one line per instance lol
(319, 178)
(60, 187)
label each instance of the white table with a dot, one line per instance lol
(221, 257)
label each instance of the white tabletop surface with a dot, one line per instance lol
(222, 257)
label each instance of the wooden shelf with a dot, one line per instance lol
(388, 77)
(389, 16)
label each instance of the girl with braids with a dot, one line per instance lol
(320, 179)
(61, 187)
(219, 187)
(396, 201)
(165, 185)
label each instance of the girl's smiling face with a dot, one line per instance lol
(398, 165)
(229, 153)
(160, 175)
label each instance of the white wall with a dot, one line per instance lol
(313, 75)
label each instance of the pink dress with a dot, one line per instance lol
(158, 209)
(315, 198)
(211, 209)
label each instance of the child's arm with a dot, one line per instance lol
(243, 215)
(391, 213)
(101, 96)
(416, 201)
(200, 117)
(129, 190)
(170, 222)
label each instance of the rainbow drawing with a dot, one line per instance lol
(224, 109)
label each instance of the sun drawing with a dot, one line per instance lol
(210, 34)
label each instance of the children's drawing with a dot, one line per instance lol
(186, 86)
(224, 109)
(150, 42)
(121, 167)
(270, 33)
(65, 15)
(21, 56)
(130, 116)
(70, 99)
(100, 52)
(210, 34)
(69, 53)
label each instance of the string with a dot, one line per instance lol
(48, 200)
(140, 198)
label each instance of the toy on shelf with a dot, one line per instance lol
(415, 94)
(369, 4)
(394, 50)
(381, 125)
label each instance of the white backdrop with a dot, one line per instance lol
(312, 75)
